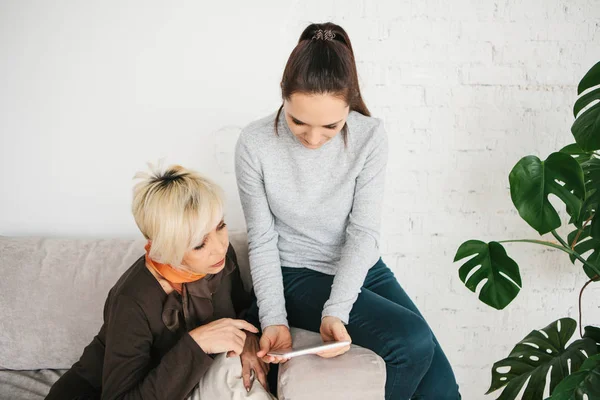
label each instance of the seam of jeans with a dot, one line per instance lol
(397, 374)
(393, 385)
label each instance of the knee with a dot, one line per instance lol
(451, 393)
(442, 385)
(440, 391)
(413, 350)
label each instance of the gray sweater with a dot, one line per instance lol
(318, 209)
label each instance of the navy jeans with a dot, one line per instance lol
(384, 320)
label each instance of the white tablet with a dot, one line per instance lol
(304, 350)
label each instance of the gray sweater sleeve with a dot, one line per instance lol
(263, 252)
(361, 248)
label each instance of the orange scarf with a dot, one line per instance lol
(174, 276)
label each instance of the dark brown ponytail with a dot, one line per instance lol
(323, 64)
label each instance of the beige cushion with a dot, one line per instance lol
(357, 375)
(27, 385)
(223, 380)
(52, 295)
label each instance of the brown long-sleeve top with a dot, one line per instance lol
(144, 350)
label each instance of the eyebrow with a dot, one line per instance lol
(205, 236)
(324, 126)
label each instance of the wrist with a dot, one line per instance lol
(277, 321)
(334, 316)
(197, 336)
(276, 327)
(330, 318)
(251, 338)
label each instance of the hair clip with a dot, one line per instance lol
(324, 35)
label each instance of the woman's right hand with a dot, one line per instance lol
(274, 337)
(222, 335)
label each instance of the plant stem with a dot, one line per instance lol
(595, 278)
(580, 231)
(566, 249)
(560, 240)
(543, 243)
(575, 254)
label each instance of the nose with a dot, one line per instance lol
(312, 138)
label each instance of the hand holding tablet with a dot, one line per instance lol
(304, 350)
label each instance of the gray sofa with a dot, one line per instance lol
(52, 293)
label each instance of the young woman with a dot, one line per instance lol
(170, 313)
(311, 179)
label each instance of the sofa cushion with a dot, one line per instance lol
(52, 294)
(27, 385)
(358, 374)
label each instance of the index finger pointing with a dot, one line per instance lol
(241, 324)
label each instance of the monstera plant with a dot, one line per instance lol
(572, 174)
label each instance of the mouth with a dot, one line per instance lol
(219, 264)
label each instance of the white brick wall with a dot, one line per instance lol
(91, 92)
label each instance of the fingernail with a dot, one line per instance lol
(247, 389)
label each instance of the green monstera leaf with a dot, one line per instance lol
(592, 332)
(588, 211)
(586, 381)
(591, 175)
(585, 244)
(591, 78)
(532, 181)
(532, 358)
(501, 272)
(575, 151)
(586, 128)
(588, 238)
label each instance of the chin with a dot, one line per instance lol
(216, 270)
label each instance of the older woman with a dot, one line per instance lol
(175, 308)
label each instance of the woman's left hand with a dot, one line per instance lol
(250, 362)
(334, 330)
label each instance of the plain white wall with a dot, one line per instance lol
(91, 91)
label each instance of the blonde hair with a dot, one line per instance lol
(175, 208)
